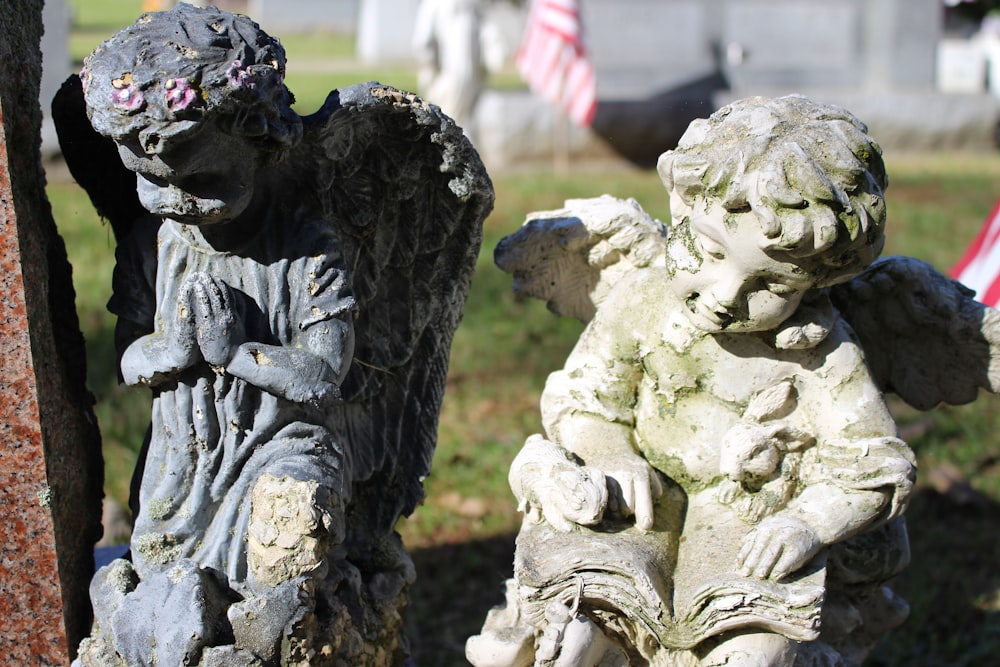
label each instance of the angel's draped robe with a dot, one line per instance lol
(214, 435)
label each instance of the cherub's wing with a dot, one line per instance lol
(571, 257)
(924, 335)
(407, 194)
(93, 160)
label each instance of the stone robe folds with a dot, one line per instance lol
(214, 435)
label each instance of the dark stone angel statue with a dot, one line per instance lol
(288, 288)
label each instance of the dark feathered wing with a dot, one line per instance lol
(924, 335)
(93, 161)
(407, 194)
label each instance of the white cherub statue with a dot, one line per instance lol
(720, 480)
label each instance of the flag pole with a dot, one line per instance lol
(553, 62)
(560, 152)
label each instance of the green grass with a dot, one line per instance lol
(104, 15)
(122, 412)
(311, 87)
(93, 21)
(313, 46)
(462, 537)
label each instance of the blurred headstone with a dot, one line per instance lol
(241, 6)
(961, 67)
(302, 16)
(56, 65)
(305, 15)
(385, 30)
(50, 462)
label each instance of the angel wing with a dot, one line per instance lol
(93, 161)
(924, 335)
(407, 194)
(571, 257)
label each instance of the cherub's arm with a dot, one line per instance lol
(824, 514)
(312, 368)
(862, 474)
(156, 358)
(151, 349)
(311, 372)
(588, 406)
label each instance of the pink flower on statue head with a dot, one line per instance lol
(180, 94)
(126, 96)
(239, 76)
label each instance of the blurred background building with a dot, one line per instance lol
(922, 73)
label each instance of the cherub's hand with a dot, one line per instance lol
(179, 334)
(218, 327)
(633, 484)
(778, 546)
(572, 495)
(550, 484)
(159, 356)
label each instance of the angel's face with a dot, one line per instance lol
(734, 284)
(202, 179)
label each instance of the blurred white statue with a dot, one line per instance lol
(455, 48)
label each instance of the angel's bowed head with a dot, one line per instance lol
(161, 77)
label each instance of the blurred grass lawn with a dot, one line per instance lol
(462, 539)
(462, 536)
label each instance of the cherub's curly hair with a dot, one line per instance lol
(170, 71)
(809, 172)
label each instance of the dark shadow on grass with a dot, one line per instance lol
(456, 586)
(952, 585)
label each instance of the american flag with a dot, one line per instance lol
(979, 268)
(553, 61)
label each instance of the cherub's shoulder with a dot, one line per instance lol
(842, 355)
(636, 310)
(648, 286)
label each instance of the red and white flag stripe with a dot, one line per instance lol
(553, 61)
(979, 268)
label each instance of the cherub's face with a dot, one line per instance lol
(198, 180)
(736, 286)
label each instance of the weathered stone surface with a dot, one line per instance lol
(144, 638)
(290, 295)
(50, 463)
(720, 480)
